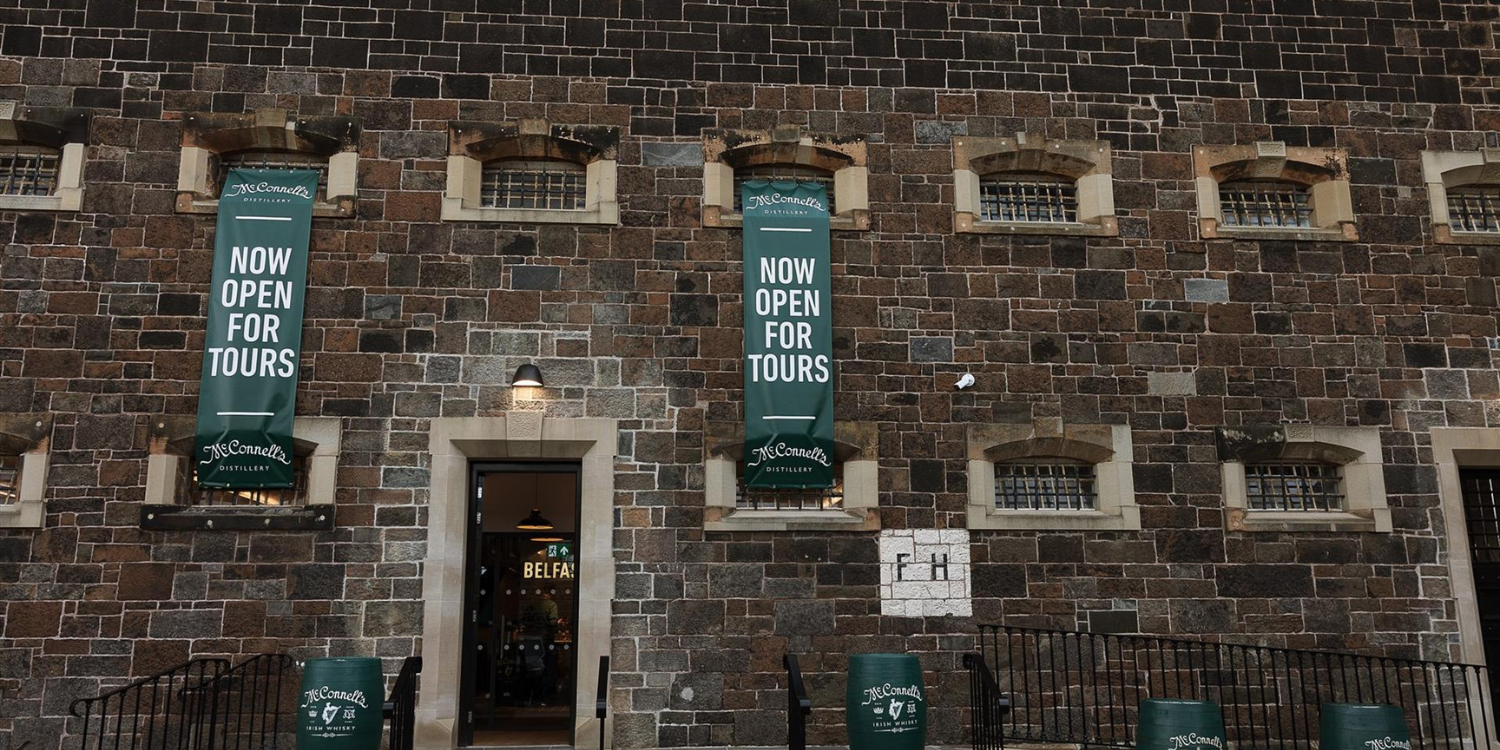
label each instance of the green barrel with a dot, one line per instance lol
(1355, 726)
(340, 706)
(1180, 725)
(886, 704)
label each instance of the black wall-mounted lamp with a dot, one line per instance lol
(528, 375)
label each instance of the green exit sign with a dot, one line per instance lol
(556, 551)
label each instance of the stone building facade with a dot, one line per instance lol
(1155, 337)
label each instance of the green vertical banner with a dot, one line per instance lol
(788, 336)
(254, 339)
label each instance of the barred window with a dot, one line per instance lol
(10, 476)
(1475, 208)
(1293, 487)
(28, 170)
(1037, 198)
(294, 496)
(274, 160)
(831, 498)
(782, 173)
(554, 185)
(1265, 204)
(1046, 485)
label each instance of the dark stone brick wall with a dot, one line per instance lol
(100, 323)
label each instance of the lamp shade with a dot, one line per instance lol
(534, 522)
(527, 375)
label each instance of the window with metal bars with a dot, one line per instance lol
(291, 497)
(1474, 208)
(831, 498)
(1046, 485)
(1031, 198)
(27, 170)
(783, 173)
(10, 476)
(274, 160)
(1481, 494)
(554, 185)
(1314, 487)
(1265, 204)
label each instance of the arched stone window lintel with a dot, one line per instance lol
(1050, 447)
(1291, 171)
(1032, 160)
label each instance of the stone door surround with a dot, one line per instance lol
(454, 443)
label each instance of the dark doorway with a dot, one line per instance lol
(1481, 491)
(521, 602)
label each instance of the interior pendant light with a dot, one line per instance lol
(535, 522)
(548, 539)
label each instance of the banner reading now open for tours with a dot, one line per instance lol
(254, 340)
(788, 336)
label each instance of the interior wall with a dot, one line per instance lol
(509, 497)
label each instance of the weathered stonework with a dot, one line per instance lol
(412, 319)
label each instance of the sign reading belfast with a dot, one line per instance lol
(254, 337)
(788, 336)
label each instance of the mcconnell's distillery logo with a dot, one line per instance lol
(894, 707)
(265, 188)
(1195, 740)
(782, 450)
(337, 709)
(221, 450)
(772, 199)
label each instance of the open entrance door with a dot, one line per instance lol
(521, 600)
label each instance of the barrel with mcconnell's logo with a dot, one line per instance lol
(1179, 725)
(1353, 726)
(886, 706)
(340, 705)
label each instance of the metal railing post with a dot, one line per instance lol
(798, 705)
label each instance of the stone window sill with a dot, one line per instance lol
(966, 224)
(732, 519)
(985, 518)
(1446, 236)
(607, 214)
(1344, 233)
(65, 199)
(1376, 520)
(183, 518)
(854, 221)
(22, 515)
(341, 208)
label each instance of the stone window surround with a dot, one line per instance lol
(846, 157)
(855, 446)
(205, 136)
(1356, 450)
(28, 436)
(454, 442)
(1323, 171)
(471, 145)
(1107, 447)
(1089, 164)
(63, 130)
(171, 443)
(1453, 449)
(1442, 170)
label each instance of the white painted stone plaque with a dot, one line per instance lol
(925, 573)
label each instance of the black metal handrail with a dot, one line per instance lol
(151, 713)
(400, 708)
(244, 706)
(601, 697)
(986, 716)
(1086, 688)
(798, 705)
